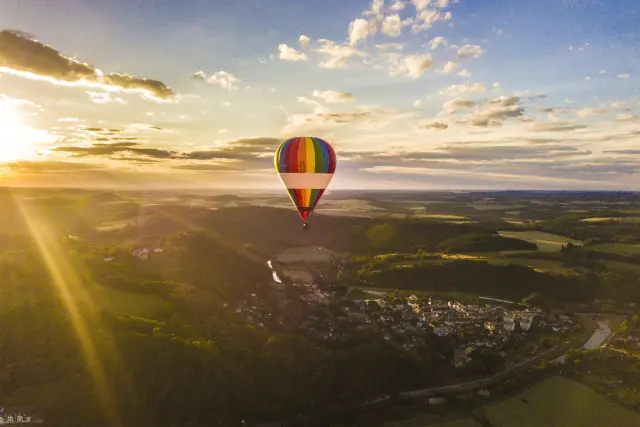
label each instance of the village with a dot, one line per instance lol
(512, 330)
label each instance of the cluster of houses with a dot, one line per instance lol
(13, 419)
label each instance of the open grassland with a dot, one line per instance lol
(607, 219)
(123, 302)
(460, 422)
(616, 248)
(547, 242)
(560, 402)
(309, 254)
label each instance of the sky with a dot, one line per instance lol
(412, 94)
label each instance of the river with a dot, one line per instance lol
(276, 278)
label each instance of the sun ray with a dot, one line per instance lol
(70, 293)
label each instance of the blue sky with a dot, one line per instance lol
(412, 93)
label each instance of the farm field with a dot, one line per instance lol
(546, 242)
(616, 248)
(560, 402)
(460, 422)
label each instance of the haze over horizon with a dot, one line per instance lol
(420, 94)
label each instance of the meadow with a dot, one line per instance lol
(560, 402)
(547, 242)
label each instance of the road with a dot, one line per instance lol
(597, 338)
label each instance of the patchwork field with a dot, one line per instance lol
(560, 402)
(546, 242)
(616, 248)
(460, 422)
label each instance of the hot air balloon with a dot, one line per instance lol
(306, 166)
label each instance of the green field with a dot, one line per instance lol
(547, 242)
(616, 248)
(560, 402)
(460, 422)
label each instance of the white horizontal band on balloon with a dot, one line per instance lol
(306, 180)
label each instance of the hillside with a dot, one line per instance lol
(484, 243)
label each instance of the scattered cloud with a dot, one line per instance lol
(623, 76)
(427, 17)
(104, 98)
(463, 89)
(433, 125)
(304, 41)
(556, 127)
(360, 29)
(495, 112)
(412, 66)
(581, 48)
(449, 67)
(587, 112)
(333, 97)
(470, 51)
(289, 53)
(626, 117)
(26, 57)
(437, 42)
(457, 104)
(464, 73)
(392, 25)
(223, 79)
(338, 55)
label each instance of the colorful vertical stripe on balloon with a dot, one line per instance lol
(305, 155)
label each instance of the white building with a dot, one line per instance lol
(509, 322)
(526, 320)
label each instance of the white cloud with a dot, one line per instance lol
(339, 55)
(626, 117)
(421, 4)
(104, 98)
(623, 76)
(470, 51)
(318, 108)
(603, 72)
(289, 53)
(392, 25)
(464, 73)
(462, 89)
(495, 112)
(457, 104)
(412, 66)
(223, 131)
(417, 103)
(580, 48)
(437, 41)
(449, 67)
(389, 46)
(433, 125)
(495, 86)
(332, 96)
(442, 3)
(226, 104)
(587, 112)
(360, 29)
(304, 41)
(397, 5)
(426, 18)
(69, 120)
(586, 79)
(221, 78)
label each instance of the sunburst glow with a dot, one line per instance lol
(17, 139)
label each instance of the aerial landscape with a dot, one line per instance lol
(418, 213)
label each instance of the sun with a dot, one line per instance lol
(17, 140)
